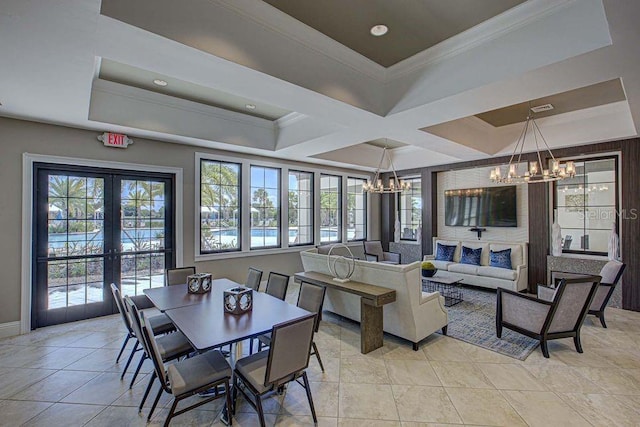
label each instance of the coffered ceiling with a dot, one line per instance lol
(454, 92)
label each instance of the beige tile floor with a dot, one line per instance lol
(66, 375)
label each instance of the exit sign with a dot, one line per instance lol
(118, 140)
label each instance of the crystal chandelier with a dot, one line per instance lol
(536, 171)
(395, 185)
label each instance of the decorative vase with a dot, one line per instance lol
(238, 300)
(428, 273)
(613, 247)
(199, 283)
(556, 237)
(396, 225)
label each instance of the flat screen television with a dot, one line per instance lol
(481, 207)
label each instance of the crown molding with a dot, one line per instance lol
(290, 119)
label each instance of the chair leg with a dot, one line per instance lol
(601, 317)
(544, 348)
(444, 329)
(235, 395)
(135, 374)
(260, 410)
(250, 345)
(228, 398)
(578, 344)
(155, 403)
(147, 391)
(499, 330)
(315, 351)
(171, 411)
(307, 388)
(124, 344)
(133, 351)
(259, 345)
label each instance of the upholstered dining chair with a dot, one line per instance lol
(310, 298)
(188, 377)
(544, 320)
(277, 285)
(254, 278)
(171, 346)
(160, 324)
(286, 360)
(611, 273)
(178, 276)
(373, 252)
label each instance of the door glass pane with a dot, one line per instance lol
(142, 215)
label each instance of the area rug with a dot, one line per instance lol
(474, 321)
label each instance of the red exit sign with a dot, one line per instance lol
(119, 140)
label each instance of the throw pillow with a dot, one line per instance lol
(445, 252)
(471, 256)
(500, 259)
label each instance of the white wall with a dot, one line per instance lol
(474, 178)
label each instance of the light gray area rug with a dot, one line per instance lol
(474, 321)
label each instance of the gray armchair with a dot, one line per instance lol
(373, 252)
(545, 320)
(610, 273)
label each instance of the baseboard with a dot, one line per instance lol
(9, 329)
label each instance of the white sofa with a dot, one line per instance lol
(484, 275)
(413, 316)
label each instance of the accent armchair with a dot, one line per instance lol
(611, 273)
(373, 252)
(544, 320)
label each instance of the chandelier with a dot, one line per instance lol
(395, 185)
(536, 171)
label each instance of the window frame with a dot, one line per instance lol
(365, 208)
(284, 166)
(278, 209)
(554, 195)
(313, 205)
(399, 204)
(341, 212)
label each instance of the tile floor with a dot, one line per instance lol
(66, 375)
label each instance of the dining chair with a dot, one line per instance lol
(254, 278)
(178, 276)
(277, 285)
(286, 360)
(544, 320)
(160, 324)
(310, 298)
(171, 346)
(188, 377)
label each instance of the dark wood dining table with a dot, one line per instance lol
(202, 319)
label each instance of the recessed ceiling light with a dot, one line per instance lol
(250, 107)
(379, 30)
(160, 82)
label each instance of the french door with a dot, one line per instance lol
(94, 227)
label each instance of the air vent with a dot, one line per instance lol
(541, 108)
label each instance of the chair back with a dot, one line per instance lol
(154, 353)
(290, 350)
(121, 308)
(277, 285)
(374, 247)
(132, 309)
(178, 276)
(571, 303)
(311, 298)
(254, 278)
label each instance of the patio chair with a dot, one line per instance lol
(286, 360)
(373, 252)
(188, 377)
(562, 317)
(178, 276)
(310, 298)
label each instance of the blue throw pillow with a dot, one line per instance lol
(500, 259)
(445, 252)
(470, 256)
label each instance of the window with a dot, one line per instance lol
(356, 209)
(219, 206)
(330, 208)
(410, 209)
(265, 207)
(587, 205)
(300, 208)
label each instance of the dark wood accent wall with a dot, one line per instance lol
(629, 220)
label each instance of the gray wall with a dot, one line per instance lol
(18, 137)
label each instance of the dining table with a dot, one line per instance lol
(205, 323)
